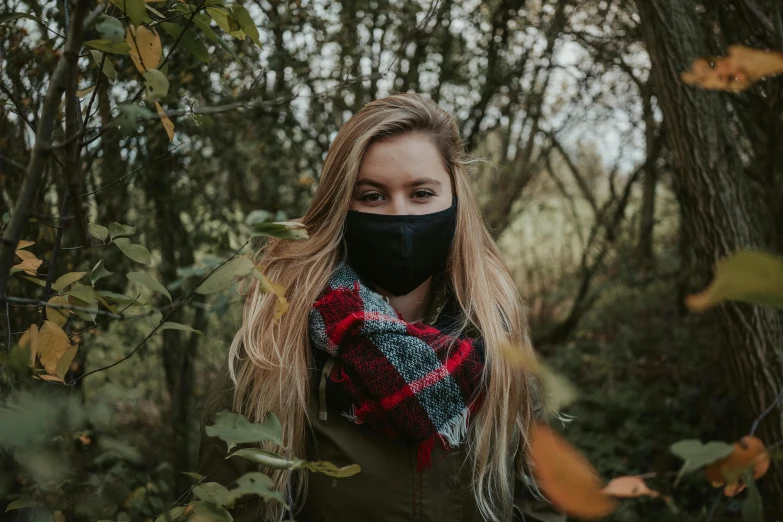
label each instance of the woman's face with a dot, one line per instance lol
(400, 175)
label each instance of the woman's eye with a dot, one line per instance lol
(372, 197)
(423, 194)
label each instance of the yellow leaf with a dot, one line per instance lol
(53, 343)
(29, 341)
(629, 487)
(58, 315)
(145, 47)
(66, 280)
(47, 377)
(167, 123)
(567, 479)
(735, 72)
(24, 243)
(28, 266)
(750, 277)
(64, 363)
(24, 255)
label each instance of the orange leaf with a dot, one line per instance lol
(144, 47)
(629, 487)
(566, 477)
(166, 121)
(24, 243)
(53, 343)
(749, 452)
(735, 72)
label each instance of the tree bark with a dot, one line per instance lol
(719, 217)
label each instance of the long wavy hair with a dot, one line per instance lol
(270, 361)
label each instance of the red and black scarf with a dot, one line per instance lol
(404, 379)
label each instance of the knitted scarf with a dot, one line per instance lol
(406, 380)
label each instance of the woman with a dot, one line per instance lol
(396, 239)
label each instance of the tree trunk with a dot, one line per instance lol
(719, 216)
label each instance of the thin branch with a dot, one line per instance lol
(55, 252)
(66, 67)
(765, 413)
(45, 304)
(131, 173)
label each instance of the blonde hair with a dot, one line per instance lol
(270, 360)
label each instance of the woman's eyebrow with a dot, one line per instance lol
(371, 182)
(425, 181)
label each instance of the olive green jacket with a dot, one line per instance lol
(388, 488)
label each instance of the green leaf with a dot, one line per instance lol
(133, 8)
(138, 253)
(120, 298)
(202, 22)
(222, 278)
(749, 277)
(22, 503)
(110, 28)
(235, 429)
(108, 66)
(98, 231)
(697, 455)
(246, 23)
(282, 230)
(39, 282)
(10, 17)
(193, 475)
(107, 46)
(149, 282)
(212, 492)
(66, 280)
(129, 113)
(168, 325)
(255, 483)
(172, 514)
(752, 508)
(265, 458)
(210, 512)
(119, 230)
(274, 461)
(98, 272)
(188, 40)
(84, 293)
(156, 85)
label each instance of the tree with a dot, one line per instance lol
(719, 213)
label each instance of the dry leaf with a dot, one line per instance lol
(58, 315)
(145, 47)
(29, 341)
(24, 243)
(567, 479)
(629, 487)
(735, 72)
(749, 452)
(53, 343)
(166, 121)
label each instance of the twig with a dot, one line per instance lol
(55, 252)
(65, 68)
(45, 304)
(765, 413)
(169, 151)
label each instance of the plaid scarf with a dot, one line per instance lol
(406, 380)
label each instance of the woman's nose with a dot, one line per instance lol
(398, 205)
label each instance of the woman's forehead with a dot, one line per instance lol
(405, 159)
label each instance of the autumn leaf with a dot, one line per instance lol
(267, 286)
(58, 315)
(748, 453)
(29, 264)
(53, 344)
(629, 487)
(747, 276)
(166, 121)
(145, 47)
(29, 341)
(567, 479)
(24, 243)
(736, 72)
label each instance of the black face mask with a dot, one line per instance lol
(398, 253)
